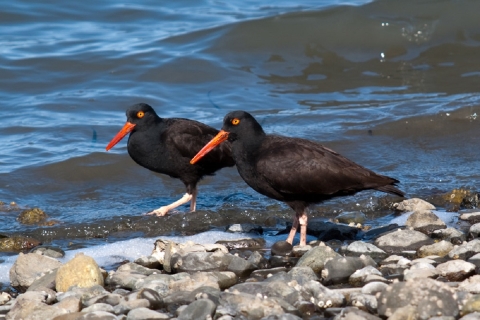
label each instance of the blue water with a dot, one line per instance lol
(393, 85)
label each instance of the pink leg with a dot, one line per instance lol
(293, 231)
(164, 210)
(193, 202)
(303, 220)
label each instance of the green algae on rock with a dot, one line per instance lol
(17, 243)
(32, 216)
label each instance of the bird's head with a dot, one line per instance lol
(237, 125)
(139, 116)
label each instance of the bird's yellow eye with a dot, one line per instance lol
(235, 121)
(140, 114)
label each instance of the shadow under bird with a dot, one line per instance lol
(296, 171)
(167, 145)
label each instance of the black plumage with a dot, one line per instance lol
(167, 145)
(296, 171)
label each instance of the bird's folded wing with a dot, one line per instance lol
(188, 137)
(300, 166)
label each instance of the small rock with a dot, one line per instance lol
(351, 217)
(240, 267)
(45, 281)
(71, 304)
(145, 313)
(49, 251)
(34, 303)
(299, 251)
(99, 307)
(456, 270)
(365, 302)
(448, 234)
(83, 294)
(124, 307)
(474, 230)
(411, 274)
(458, 197)
(475, 259)
(148, 262)
(374, 287)
(132, 267)
(471, 217)
(322, 296)
(471, 285)
(200, 261)
(357, 279)
(126, 280)
(466, 250)
(17, 243)
(306, 308)
(251, 307)
(153, 297)
(271, 288)
(200, 309)
(28, 267)
(425, 221)
(405, 312)
(282, 248)
(426, 297)
(353, 313)
(279, 261)
(414, 204)
(263, 274)
(245, 228)
(257, 259)
(401, 240)
(302, 274)
(97, 315)
(325, 230)
(316, 258)
(440, 249)
(357, 248)
(472, 305)
(243, 243)
(4, 298)
(339, 269)
(392, 259)
(82, 271)
(109, 298)
(32, 216)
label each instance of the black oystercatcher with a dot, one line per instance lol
(167, 145)
(296, 171)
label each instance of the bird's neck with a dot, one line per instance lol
(145, 139)
(245, 148)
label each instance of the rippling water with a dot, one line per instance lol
(393, 85)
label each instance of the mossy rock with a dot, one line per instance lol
(456, 196)
(458, 199)
(32, 216)
(17, 244)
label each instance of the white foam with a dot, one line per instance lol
(450, 218)
(111, 253)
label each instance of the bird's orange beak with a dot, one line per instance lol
(219, 138)
(127, 128)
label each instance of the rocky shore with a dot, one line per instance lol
(424, 270)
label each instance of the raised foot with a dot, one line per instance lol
(160, 212)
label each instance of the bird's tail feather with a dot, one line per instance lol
(391, 189)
